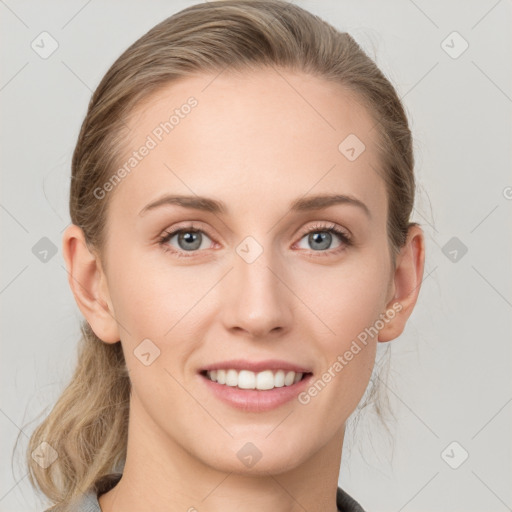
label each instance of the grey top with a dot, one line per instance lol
(89, 501)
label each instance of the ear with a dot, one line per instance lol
(88, 283)
(406, 283)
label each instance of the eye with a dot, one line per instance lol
(188, 239)
(320, 237)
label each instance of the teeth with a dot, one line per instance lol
(246, 379)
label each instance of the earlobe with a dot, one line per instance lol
(407, 281)
(88, 283)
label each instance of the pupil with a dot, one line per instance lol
(319, 237)
(190, 237)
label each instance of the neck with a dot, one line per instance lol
(160, 475)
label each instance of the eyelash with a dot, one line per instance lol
(331, 228)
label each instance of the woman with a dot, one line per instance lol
(222, 351)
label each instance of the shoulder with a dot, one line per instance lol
(88, 503)
(346, 503)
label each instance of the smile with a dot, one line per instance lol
(263, 391)
(246, 379)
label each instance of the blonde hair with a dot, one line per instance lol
(88, 424)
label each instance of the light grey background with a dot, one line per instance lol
(451, 368)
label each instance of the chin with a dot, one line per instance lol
(251, 458)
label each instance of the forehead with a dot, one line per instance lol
(252, 134)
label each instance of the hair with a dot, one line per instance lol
(88, 425)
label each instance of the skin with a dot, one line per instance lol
(255, 144)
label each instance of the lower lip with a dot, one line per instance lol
(254, 400)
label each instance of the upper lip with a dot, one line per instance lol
(256, 366)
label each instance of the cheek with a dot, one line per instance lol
(348, 304)
(346, 346)
(346, 300)
(150, 297)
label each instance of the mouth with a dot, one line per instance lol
(265, 380)
(255, 386)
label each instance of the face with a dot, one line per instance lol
(256, 273)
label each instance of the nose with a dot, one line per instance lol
(257, 301)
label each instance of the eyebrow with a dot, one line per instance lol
(218, 207)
